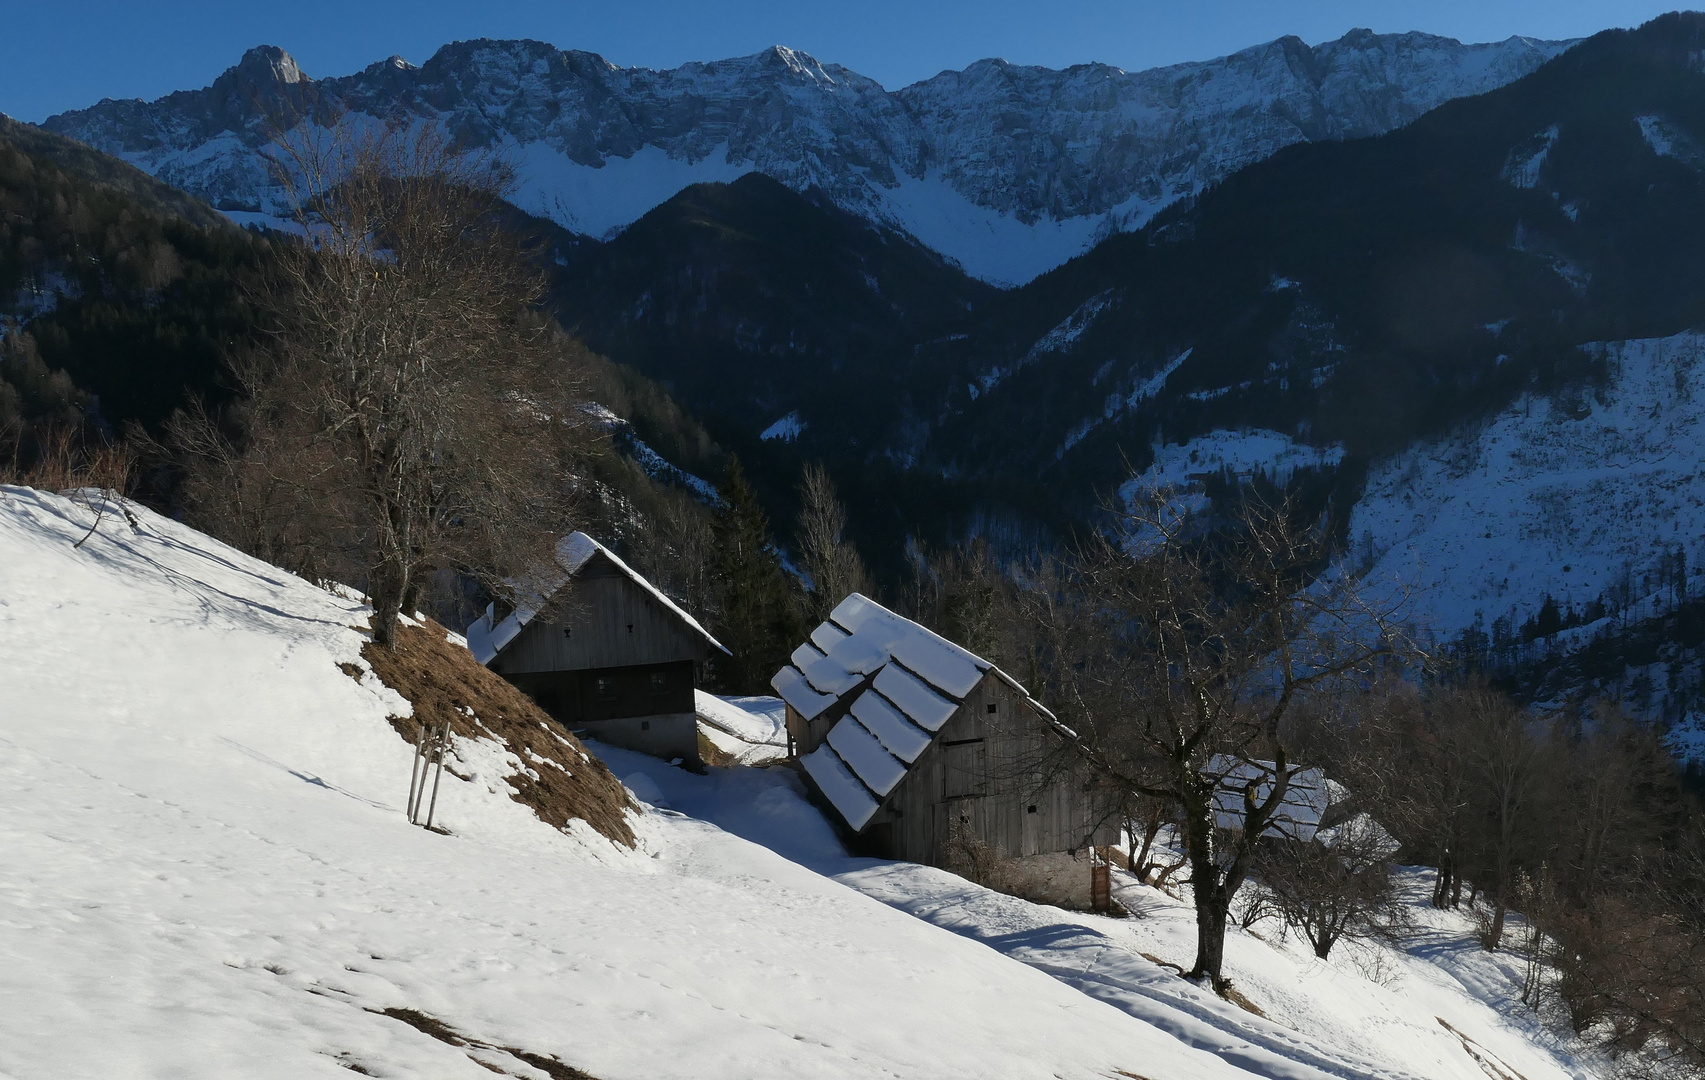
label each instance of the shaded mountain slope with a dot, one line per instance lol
(129, 288)
(795, 331)
(1371, 291)
(756, 301)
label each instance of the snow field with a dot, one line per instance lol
(1372, 1011)
(753, 730)
(208, 873)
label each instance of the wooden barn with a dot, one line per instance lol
(603, 651)
(932, 754)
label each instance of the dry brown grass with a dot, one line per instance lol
(65, 459)
(712, 754)
(1236, 997)
(444, 1033)
(442, 679)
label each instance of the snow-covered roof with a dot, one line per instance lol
(573, 552)
(1363, 834)
(1307, 795)
(900, 683)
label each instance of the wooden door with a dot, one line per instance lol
(964, 769)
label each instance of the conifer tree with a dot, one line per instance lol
(758, 614)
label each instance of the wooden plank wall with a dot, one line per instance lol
(600, 619)
(1036, 794)
(638, 690)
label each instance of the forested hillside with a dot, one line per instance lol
(118, 292)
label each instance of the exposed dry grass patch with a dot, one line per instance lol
(444, 1033)
(1236, 997)
(443, 679)
(712, 754)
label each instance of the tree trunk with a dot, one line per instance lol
(1495, 936)
(388, 586)
(1140, 862)
(1210, 942)
(1441, 887)
(1212, 900)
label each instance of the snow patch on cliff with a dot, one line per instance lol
(1577, 496)
(601, 200)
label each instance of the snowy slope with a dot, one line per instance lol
(1010, 170)
(1596, 494)
(209, 875)
(1380, 1014)
(1585, 497)
(751, 730)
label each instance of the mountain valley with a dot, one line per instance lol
(1332, 266)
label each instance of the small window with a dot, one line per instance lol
(604, 688)
(992, 708)
(658, 683)
(1032, 809)
(645, 725)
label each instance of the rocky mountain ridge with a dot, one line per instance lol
(1010, 170)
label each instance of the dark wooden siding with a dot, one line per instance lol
(578, 697)
(600, 619)
(1004, 776)
(808, 735)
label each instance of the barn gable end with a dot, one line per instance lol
(604, 652)
(931, 754)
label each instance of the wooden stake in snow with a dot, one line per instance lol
(414, 774)
(429, 749)
(443, 744)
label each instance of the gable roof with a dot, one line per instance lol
(900, 683)
(573, 553)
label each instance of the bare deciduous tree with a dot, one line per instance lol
(1335, 886)
(1510, 765)
(1168, 644)
(412, 412)
(1415, 767)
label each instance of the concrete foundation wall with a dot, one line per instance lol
(1056, 878)
(668, 735)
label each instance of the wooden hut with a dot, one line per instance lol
(603, 651)
(929, 753)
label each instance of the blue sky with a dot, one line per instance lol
(57, 56)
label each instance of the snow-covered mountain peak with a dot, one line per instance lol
(1009, 169)
(797, 63)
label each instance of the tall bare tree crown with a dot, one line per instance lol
(412, 415)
